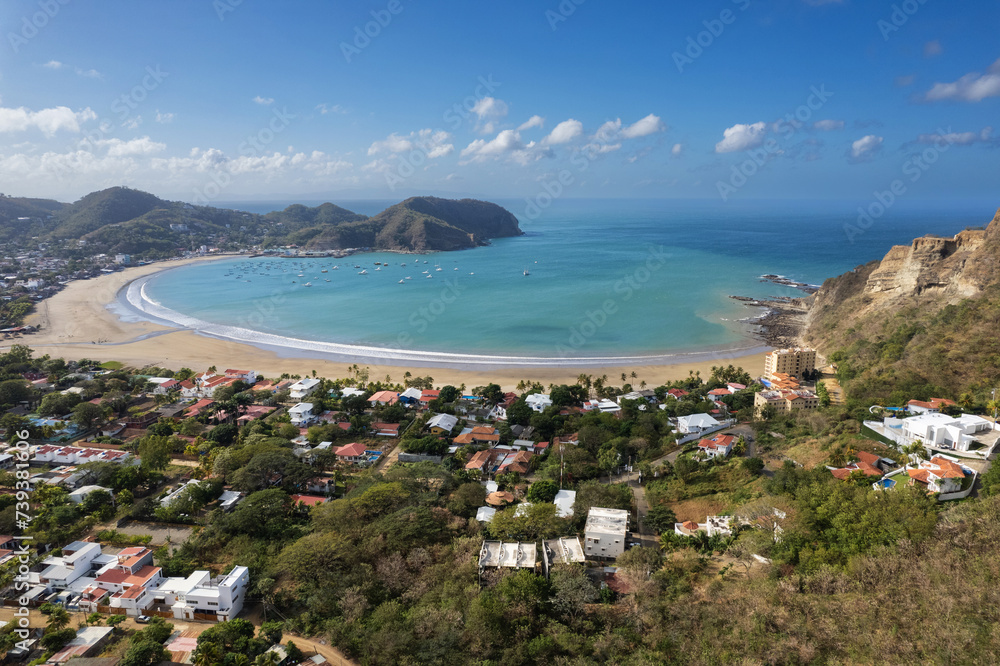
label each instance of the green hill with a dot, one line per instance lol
(422, 224)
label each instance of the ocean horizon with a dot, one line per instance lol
(590, 282)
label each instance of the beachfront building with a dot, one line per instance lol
(604, 534)
(539, 402)
(303, 388)
(785, 400)
(795, 361)
(384, 398)
(301, 414)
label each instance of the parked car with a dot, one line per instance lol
(143, 619)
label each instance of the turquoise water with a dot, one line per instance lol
(607, 278)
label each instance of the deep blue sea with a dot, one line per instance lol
(606, 278)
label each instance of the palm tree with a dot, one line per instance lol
(624, 378)
(633, 375)
(966, 400)
(208, 654)
(993, 406)
(269, 658)
(642, 384)
(913, 452)
(58, 619)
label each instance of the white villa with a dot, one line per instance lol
(696, 423)
(539, 402)
(605, 532)
(303, 388)
(938, 430)
(301, 414)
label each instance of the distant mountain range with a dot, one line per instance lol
(123, 220)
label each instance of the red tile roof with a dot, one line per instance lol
(308, 500)
(351, 450)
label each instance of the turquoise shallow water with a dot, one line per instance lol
(607, 278)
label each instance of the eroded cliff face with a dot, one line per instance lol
(930, 273)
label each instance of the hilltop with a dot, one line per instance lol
(128, 221)
(423, 224)
(926, 314)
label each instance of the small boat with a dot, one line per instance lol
(302, 275)
(408, 277)
(363, 272)
(379, 268)
(471, 273)
(328, 279)
(308, 284)
(402, 264)
(438, 269)
(456, 268)
(336, 268)
(429, 277)
(526, 272)
(323, 271)
(402, 282)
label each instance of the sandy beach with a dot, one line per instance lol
(77, 323)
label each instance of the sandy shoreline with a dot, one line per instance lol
(77, 323)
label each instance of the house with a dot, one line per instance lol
(481, 460)
(229, 499)
(609, 407)
(932, 406)
(301, 414)
(510, 555)
(734, 387)
(866, 464)
(353, 453)
(563, 550)
(410, 396)
(696, 423)
(943, 431)
(307, 500)
(303, 388)
(87, 642)
(427, 395)
(604, 534)
(519, 462)
(719, 446)
(442, 424)
(676, 393)
(485, 514)
(713, 526)
(564, 503)
(384, 398)
(478, 435)
(539, 402)
(386, 429)
(78, 495)
(199, 408)
(939, 475)
(716, 395)
(248, 376)
(350, 392)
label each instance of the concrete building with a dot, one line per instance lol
(509, 555)
(604, 535)
(303, 388)
(301, 414)
(785, 400)
(794, 361)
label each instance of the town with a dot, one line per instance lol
(156, 504)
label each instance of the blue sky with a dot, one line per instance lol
(730, 99)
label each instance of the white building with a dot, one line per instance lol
(303, 388)
(605, 533)
(943, 431)
(539, 402)
(78, 495)
(443, 423)
(199, 593)
(564, 500)
(301, 414)
(696, 423)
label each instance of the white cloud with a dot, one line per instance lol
(326, 108)
(54, 64)
(141, 146)
(741, 137)
(828, 125)
(506, 145)
(973, 87)
(48, 121)
(434, 143)
(564, 132)
(866, 146)
(263, 101)
(649, 125)
(985, 135)
(164, 118)
(88, 73)
(533, 121)
(490, 107)
(132, 122)
(677, 150)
